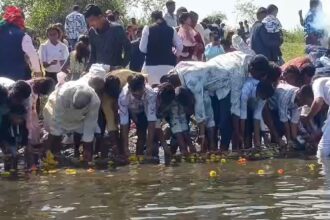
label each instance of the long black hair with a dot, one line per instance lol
(82, 48)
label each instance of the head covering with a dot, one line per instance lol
(81, 97)
(98, 70)
(13, 15)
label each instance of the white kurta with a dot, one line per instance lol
(61, 118)
(221, 75)
(321, 89)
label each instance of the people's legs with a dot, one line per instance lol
(54, 144)
(217, 116)
(99, 146)
(113, 139)
(235, 140)
(77, 142)
(210, 124)
(225, 122)
(248, 129)
(141, 131)
(324, 144)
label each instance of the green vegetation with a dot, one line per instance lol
(294, 44)
(41, 13)
(216, 16)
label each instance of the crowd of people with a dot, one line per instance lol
(102, 80)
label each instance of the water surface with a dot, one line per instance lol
(185, 192)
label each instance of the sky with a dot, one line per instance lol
(288, 9)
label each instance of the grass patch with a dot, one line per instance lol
(294, 45)
(292, 50)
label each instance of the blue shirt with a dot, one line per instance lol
(310, 27)
(212, 51)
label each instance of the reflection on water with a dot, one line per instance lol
(184, 192)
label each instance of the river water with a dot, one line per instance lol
(184, 192)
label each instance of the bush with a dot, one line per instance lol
(40, 13)
(294, 44)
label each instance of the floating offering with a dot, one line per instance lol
(71, 171)
(261, 172)
(90, 170)
(280, 171)
(133, 158)
(49, 161)
(213, 174)
(52, 171)
(223, 161)
(5, 174)
(242, 161)
(311, 167)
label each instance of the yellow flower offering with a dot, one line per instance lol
(261, 172)
(52, 171)
(223, 161)
(213, 174)
(71, 171)
(5, 174)
(133, 158)
(311, 167)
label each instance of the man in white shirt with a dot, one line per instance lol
(286, 110)
(137, 101)
(72, 108)
(253, 99)
(75, 25)
(170, 17)
(53, 53)
(321, 89)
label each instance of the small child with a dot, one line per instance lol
(271, 22)
(53, 53)
(13, 134)
(179, 120)
(214, 48)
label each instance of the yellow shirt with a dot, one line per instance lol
(109, 103)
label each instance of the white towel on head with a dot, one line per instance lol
(98, 70)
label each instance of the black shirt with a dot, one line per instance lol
(109, 46)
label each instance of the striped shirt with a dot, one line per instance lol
(284, 101)
(249, 98)
(219, 76)
(129, 104)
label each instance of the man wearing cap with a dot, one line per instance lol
(72, 108)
